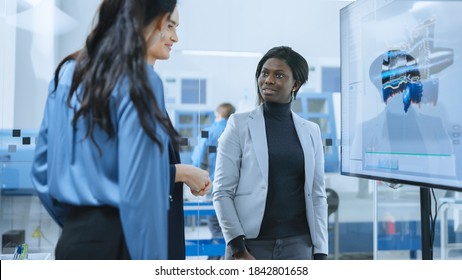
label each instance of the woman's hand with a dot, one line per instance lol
(244, 255)
(198, 180)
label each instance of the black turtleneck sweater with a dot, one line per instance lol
(285, 213)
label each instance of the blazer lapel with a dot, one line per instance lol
(258, 137)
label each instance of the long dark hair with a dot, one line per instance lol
(115, 50)
(294, 60)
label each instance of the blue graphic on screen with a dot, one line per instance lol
(401, 65)
(400, 75)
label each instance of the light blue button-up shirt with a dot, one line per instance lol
(132, 174)
(204, 157)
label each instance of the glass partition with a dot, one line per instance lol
(27, 59)
(399, 229)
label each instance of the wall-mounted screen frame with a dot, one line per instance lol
(401, 97)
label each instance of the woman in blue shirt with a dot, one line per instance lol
(101, 164)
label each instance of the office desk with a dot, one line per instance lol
(202, 247)
(203, 208)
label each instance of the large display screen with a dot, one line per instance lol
(401, 91)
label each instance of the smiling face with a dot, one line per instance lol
(276, 82)
(161, 49)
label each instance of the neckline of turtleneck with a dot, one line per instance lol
(277, 109)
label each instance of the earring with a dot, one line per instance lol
(292, 98)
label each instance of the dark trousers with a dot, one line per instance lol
(92, 233)
(297, 247)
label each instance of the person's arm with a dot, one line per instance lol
(238, 249)
(198, 180)
(319, 199)
(203, 155)
(320, 256)
(144, 177)
(227, 172)
(39, 170)
(197, 151)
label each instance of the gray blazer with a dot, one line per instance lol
(241, 177)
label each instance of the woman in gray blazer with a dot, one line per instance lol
(269, 191)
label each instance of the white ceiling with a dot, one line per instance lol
(310, 26)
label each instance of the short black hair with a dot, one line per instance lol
(294, 60)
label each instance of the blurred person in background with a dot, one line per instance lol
(206, 156)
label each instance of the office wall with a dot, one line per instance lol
(309, 27)
(7, 65)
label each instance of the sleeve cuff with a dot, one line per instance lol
(172, 178)
(237, 245)
(320, 256)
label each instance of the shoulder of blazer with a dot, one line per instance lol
(239, 117)
(309, 124)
